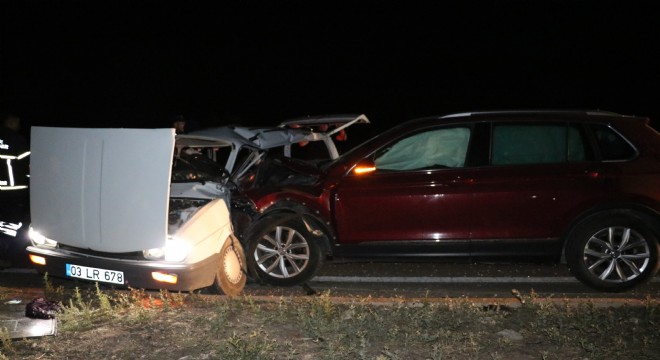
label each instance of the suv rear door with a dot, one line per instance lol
(538, 174)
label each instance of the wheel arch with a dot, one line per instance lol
(645, 213)
(290, 209)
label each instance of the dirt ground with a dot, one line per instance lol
(109, 324)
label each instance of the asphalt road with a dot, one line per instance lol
(414, 280)
(455, 280)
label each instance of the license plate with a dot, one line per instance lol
(95, 274)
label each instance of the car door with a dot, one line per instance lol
(419, 194)
(539, 173)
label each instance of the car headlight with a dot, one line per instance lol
(40, 240)
(175, 250)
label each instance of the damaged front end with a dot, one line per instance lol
(141, 212)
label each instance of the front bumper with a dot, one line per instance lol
(137, 273)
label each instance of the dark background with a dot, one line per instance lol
(136, 64)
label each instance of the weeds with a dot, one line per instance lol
(52, 292)
(221, 312)
(6, 345)
(104, 301)
(78, 315)
(196, 326)
(256, 346)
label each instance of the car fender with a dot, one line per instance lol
(210, 227)
(651, 216)
(312, 219)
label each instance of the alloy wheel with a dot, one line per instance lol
(282, 252)
(617, 254)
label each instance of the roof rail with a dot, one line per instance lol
(587, 112)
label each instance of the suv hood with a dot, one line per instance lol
(101, 189)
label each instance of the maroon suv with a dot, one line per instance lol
(579, 187)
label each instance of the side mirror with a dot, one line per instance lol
(364, 167)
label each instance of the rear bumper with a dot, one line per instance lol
(137, 273)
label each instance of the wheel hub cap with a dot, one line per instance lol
(282, 252)
(617, 254)
(232, 266)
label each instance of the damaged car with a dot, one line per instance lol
(260, 162)
(132, 208)
(146, 208)
(576, 187)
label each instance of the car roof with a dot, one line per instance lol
(522, 115)
(269, 137)
(535, 112)
(326, 119)
(259, 137)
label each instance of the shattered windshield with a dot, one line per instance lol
(193, 166)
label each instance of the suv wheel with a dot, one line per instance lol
(231, 275)
(613, 252)
(283, 252)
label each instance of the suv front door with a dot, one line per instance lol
(419, 195)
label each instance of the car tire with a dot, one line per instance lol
(283, 252)
(231, 274)
(613, 252)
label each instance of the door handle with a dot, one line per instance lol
(593, 174)
(463, 181)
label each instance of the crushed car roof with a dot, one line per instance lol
(260, 137)
(269, 137)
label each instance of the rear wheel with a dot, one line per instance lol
(283, 252)
(231, 275)
(613, 252)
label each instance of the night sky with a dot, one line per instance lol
(136, 64)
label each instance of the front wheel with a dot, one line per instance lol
(613, 252)
(283, 252)
(231, 274)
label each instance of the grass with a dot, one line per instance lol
(6, 345)
(137, 324)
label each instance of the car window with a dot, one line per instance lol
(220, 154)
(528, 144)
(245, 170)
(193, 166)
(440, 148)
(310, 150)
(539, 144)
(612, 146)
(578, 146)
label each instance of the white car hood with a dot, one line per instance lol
(101, 189)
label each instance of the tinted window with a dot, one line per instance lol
(529, 144)
(443, 148)
(612, 146)
(578, 146)
(538, 144)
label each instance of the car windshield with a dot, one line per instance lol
(193, 166)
